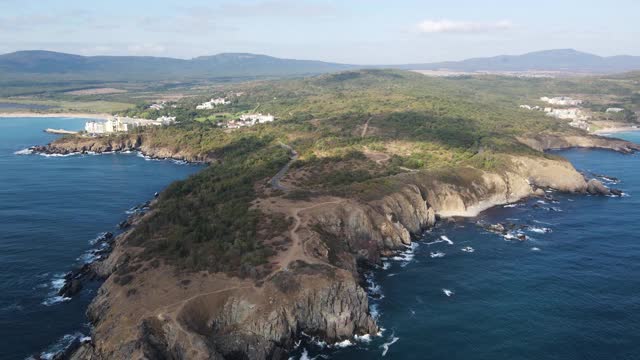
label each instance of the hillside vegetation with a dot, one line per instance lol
(356, 133)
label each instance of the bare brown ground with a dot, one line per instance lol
(300, 212)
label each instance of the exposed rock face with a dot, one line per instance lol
(545, 142)
(80, 144)
(242, 321)
(595, 187)
(216, 317)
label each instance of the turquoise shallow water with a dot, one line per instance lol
(573, 293)
(50, 210)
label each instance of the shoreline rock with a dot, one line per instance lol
(325, 299)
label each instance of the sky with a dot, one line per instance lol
(345, 31)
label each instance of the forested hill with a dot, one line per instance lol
(52, 65)
(564, 60)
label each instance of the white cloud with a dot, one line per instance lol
(450, 26)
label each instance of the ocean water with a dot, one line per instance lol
(50, 210)
(572, 293)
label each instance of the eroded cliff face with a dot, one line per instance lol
(120, 143)
(543, 142)
(162, 313)
(218, 317)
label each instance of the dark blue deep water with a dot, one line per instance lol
(573, 293)
(50, 210)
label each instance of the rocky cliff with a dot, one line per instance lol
(119, 143)
(543, 142)
(147, 309)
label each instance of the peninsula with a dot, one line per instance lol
(270, 240)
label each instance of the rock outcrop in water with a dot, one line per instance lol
(147, 309)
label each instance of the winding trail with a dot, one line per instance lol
(296, 252)
(366, 127)
(275, 181)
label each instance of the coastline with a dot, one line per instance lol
(409, 225)
(26, 114)
(615, 130)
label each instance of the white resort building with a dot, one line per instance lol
(250, 120)
(212, 104)
(561, 101)
(118, 124)
(109, 126)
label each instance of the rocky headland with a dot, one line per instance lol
(149, 309)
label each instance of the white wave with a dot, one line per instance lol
(374, 290)
(535, 249)
(468, 249)
(59, 155)
(442, 239)
(437, 254)
(392, 275)
(510, 205)
(539, 230)
(55, 285)
(446, 239)
(305, 355)
(88, 257)
(61, 345)
(542, 202)
(374, 310)
(101, 236)
(52, 300)
(366, 338)
(407, 255)
(343, 344)
(385, 346)
(448, 292)
(386, 265)
(26, 151)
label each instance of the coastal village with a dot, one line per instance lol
(568, 108)
(120, 124)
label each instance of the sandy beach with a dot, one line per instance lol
(100, 116)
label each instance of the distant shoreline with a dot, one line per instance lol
(614, 130)
(26, 114)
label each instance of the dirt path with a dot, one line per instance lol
(296, 251)
(366, 127)
(275, 181)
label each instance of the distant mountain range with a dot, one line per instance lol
(53, 65)
(563, 60)
(24, 65)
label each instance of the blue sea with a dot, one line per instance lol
(569, 292)
(51, 208)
